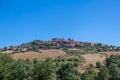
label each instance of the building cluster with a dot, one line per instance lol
(52, 44)
(61, 43)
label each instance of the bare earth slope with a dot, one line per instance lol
(53, 53)
(42, 56)
(93, 58)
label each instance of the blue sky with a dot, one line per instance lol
(84, 20)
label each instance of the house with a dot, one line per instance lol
(38, 42)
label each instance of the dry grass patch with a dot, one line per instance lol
(42, 56)
(93, 58)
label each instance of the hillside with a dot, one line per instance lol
(60, 60)
(57, 47)
(57, 43)
(41, 56)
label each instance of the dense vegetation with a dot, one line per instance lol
(62, 68)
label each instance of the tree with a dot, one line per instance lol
(114, 71)
(104, 74)
(113, 59)
(71, 76)
(91, 65)
(6, 64)
(98, 64)
(36, 48)
(46, 70)
(67, 72)
(90, 74)
(22, 69)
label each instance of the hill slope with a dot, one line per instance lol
(57, 43)
(42, 56)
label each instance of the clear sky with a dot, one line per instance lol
(84, 20)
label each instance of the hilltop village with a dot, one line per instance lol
(56, 43)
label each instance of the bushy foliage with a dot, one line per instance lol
(90, 74)
(104, 74)
(49, 69)
(98, 64)
(113, 64)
